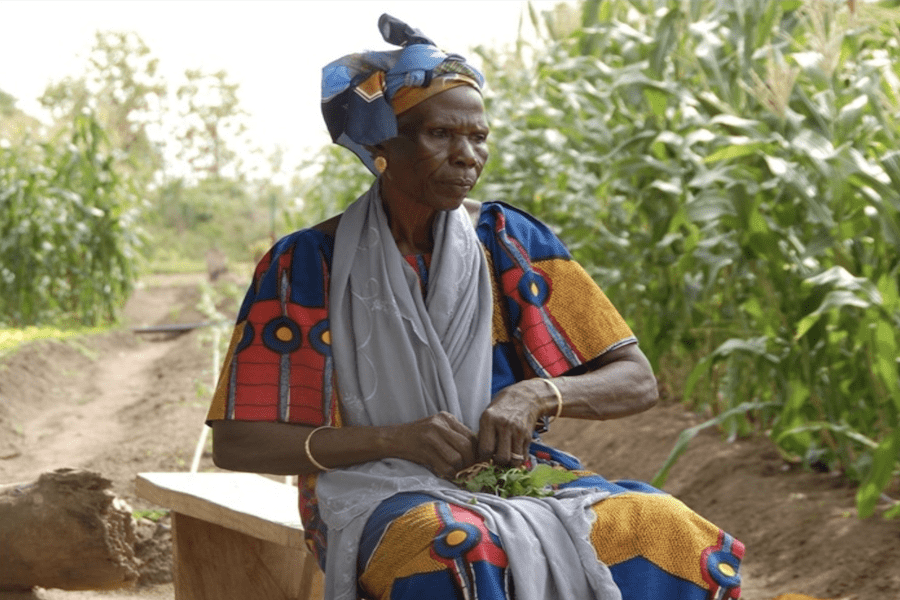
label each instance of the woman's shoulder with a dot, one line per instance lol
(507, 221)
(307, 246)
(328, 227)
(511, 215)
(315, 236)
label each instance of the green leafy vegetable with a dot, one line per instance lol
(507, 482)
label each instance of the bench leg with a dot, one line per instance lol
(212, 562)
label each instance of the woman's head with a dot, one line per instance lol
(439, 151)
(363, 94)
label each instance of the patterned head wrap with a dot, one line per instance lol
(362, 93)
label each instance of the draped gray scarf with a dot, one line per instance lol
(401, 357)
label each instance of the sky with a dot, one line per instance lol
(275, 50)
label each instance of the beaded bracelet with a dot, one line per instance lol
(309, 455)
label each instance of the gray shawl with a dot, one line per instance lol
(400, 358)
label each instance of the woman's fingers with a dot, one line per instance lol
(503, 452)
(487, 440)
(502, 439)
(462, 439)
(441, 443)
(507, 425)
(446, 446)
(454, 453)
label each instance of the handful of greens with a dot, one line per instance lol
(507, 482)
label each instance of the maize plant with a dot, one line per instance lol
(67, 230)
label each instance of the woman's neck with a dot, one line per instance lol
(411, 225)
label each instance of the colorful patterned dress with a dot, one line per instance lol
(550, 319)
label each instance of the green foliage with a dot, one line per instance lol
(11, 339)
(507, 482)
(335, 178)
(67, 234)
(729, 173)
(150, 514)
(190, 220)
(180, 149)
(122, 88)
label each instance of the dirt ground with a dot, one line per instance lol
(123, 403)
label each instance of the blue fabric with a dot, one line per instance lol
(357, 118)
(639, 579)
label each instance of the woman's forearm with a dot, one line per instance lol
(623, 385)
(279, 448)
(439, 442)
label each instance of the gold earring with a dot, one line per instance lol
(381, 164)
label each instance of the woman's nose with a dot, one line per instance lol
(464, 152)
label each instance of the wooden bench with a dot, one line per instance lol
(236, 536)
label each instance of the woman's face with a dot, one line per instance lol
(439, 152)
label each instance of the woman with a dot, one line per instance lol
(385, 350)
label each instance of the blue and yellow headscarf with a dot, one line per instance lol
(363, 93)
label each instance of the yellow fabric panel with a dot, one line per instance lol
(220, 398)
(372, 88)
(407, 97)
(658, 527)
(499, 331)
(581, 308)
(404, 550)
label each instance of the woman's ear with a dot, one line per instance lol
(378, 153)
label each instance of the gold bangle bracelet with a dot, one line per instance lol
(309, 455)
(559, 400)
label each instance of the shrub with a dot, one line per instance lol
(67, 230)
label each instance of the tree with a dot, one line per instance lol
(122, 87)
(212, 124)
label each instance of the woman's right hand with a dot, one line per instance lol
(439, 442)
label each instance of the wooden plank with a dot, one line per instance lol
(246, 502)
(217, 563)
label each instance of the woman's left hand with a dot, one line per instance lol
(506, 426)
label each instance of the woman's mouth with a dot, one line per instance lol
(460, 184)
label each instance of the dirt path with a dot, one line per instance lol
(83, 429)
(119, 403)
(123, 403)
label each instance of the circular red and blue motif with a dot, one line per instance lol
(320, 337)
(456, 539)
(282, 335)
(533, 288)
(720, 563)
